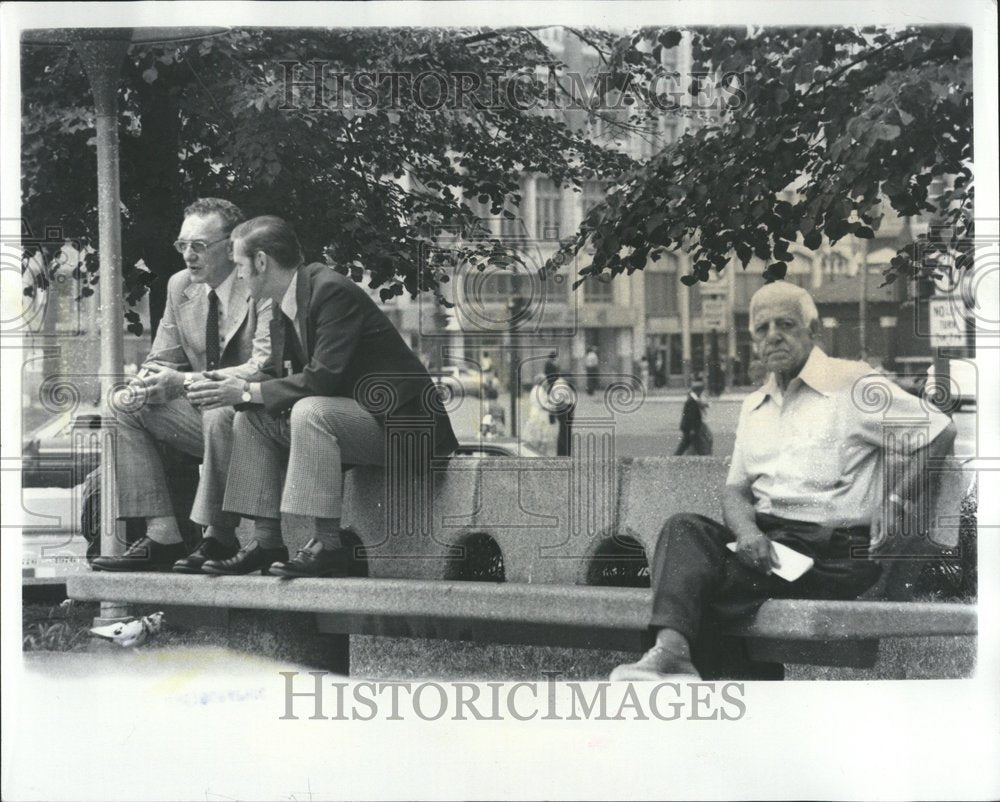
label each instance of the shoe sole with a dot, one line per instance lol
(217, 572)
(291, 575)
(648, 675)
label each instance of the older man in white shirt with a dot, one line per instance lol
(806, 473)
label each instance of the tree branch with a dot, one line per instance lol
(859, 60)
(579, 35)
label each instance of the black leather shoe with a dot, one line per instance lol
(209, 549)
(143, 555)
(253, 557)
(325, 562)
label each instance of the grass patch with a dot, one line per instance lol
(416, 658)
(54, 627)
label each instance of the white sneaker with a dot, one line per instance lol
(658, 664)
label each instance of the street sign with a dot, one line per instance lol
(947, 326)
(713, 313)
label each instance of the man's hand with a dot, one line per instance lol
(160, 384)
(755, 551)
(215, 390)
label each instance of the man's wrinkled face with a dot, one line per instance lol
(205, 246)
(782, 339)
(246, 271)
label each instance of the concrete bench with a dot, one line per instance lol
(551, 538)
(326, 610)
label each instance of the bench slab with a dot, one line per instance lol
(509, 606)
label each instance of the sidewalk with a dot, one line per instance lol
(678, 394)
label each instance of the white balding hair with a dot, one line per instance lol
(785, 291)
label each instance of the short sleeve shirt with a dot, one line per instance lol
(815, 451)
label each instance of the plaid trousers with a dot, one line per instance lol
(140, 476)
(294, 464)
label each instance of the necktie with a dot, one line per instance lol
(293, 346)
(212, 332)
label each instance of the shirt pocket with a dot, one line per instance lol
(815, 452)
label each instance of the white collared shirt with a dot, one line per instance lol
(815, 451)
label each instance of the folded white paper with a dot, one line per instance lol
(791, 564)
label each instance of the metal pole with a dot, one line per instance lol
(514, 308)
(863, 300)
(684, 304)
(731, 323)
(102, 53)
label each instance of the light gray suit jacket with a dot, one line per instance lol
(180, 339)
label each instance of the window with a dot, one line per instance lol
(594, 192)
(747, 283)
(598, 290)
(662, 288)
(649, 142)
(670, 131)
(548, 211)
(834, 264)
(497, 285)
(552, 34)
(695, 300)
(512, 230)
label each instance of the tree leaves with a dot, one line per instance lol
(835, 126)
(368, 176)
(835, 123)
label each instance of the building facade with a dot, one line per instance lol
(650, 321)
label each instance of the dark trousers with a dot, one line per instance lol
(693, 441)
(564, 440)
(700, 586)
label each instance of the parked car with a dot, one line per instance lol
(499, 447)
(912, 374)
(963, 380)
(465, 381)
(48, 456)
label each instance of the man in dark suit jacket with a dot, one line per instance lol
(692, 434)
(343, 373)
(210, 323)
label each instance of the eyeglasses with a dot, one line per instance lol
(197, 245)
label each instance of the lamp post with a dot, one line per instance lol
(888, 324)
(102, 52)
(515, 310)
(863, 299)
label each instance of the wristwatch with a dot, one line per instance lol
(246, 398)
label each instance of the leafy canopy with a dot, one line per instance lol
(822, 127)
(848, 119)
(370, 181)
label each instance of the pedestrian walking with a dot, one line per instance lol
(695, 434)
(540, 430)
(550, 370)
(562, 404)
(590, 363)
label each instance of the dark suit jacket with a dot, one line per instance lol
(351, 349)
(691, 416)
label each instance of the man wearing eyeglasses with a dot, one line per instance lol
(210, 324)
(344, 377)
